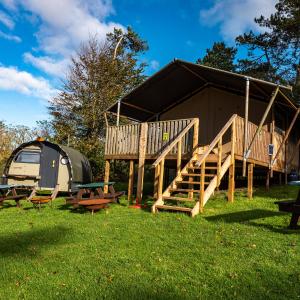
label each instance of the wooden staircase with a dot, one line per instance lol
(197, 181)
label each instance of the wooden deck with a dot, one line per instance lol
(123, 143)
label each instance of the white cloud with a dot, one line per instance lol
(12, 79)
(63, 26)
(235, 16)
(6, 20)
(10, 37)
(154, 65)
(48, 64)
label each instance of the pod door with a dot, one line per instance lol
(49, 167)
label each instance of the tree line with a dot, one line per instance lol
(102, 72)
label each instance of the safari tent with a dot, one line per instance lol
(208, 125)
(44, 165)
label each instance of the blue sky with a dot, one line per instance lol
(37, 38)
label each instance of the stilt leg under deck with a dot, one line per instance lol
(231, 183)
(250, 181)
(131, 179)
(106, 175)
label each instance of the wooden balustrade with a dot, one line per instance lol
(176, 144)
(123, 141)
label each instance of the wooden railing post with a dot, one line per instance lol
(202, 187)
(141, 165)
(131, 179)
(196, 135)
(231, 182)
(106, 175)
(179, 150)
(219, 162)
(161, 178)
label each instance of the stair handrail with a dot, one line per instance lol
(174, 142)
(216, 139)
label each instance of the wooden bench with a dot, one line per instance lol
(291, 206)
(9, 192)
(37, 200)
(94, 205)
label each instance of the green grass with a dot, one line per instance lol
(232, 251)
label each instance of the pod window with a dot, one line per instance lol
(28, 157)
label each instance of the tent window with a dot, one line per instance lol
(28, 157)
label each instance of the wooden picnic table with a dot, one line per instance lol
(9, 192)
(95, 204)
(291, 206)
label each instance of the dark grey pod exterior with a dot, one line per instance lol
(44, 165)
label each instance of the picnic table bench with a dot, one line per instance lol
(9, 192)
(94, 205)
(291, 206)
(94, 191)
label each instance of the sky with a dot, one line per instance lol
(38, 37)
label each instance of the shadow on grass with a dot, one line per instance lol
(244, 216)
(247, 218)
(29, 243)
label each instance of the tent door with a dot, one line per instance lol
(49, 167)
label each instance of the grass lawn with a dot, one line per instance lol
(232, 251)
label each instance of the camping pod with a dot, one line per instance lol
(44, 165)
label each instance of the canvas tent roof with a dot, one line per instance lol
(179, 80)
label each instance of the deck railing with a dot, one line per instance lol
(124, 140)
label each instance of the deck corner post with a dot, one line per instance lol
(196, 135)
(250, 181)
(106, 174)
(131, 179)
(141, 163)
(246, 125)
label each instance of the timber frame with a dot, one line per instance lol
(176, 141)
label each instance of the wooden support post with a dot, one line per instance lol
(106, 175)
(118, 112)
(231, 181)
(131, 179)
(250, 181)
(280, 178)
(202, 187)
(191, 187)
(268, 180)
(141, 164)
(246, 124)
(272, 142)
(161, 178)
(262, 121)
(219, 162)
(196, 135)
(156, 181)
(179, 150)
(106, 121)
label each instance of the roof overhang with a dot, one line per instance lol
(179, 80)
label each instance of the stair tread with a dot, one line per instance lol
(178, 199)
(197, 175)
(170, 207)
(191, 182)
(206, 168)
(185, 190)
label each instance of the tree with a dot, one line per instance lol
(219, 56)
(98, 76)
(275, 54)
